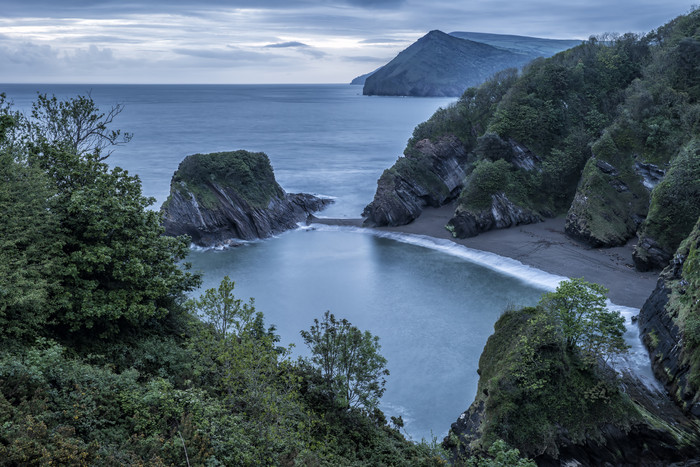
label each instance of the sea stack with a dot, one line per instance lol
(217, 197)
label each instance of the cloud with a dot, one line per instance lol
(382, 41)
(299, 46)
(231, 53)
(282, 45)
(367, 59)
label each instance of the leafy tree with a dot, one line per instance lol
(586, 323)
(76, 125)
(349, 361)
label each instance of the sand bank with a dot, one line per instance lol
(545, 247)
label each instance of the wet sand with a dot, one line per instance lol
(544, 246)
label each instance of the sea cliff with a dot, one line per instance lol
(232, 195)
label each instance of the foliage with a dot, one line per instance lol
(75, 125)
(500, 455)
(578, 308)
(352, 369)
(248, 173)
(538, 393)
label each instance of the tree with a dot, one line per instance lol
(349, 362)
(99, 246)
(586, 323)
(75, 124)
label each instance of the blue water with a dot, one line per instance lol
(432, 306)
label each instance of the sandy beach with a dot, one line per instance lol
(544, 246)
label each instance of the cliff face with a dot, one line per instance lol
(540, 398)
(430, 175)
(231, 195)
(670, 325)
(604, 133)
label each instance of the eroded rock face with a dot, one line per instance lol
(666, 323)
(609, 205)
(649, 255)
(502, 214)
(430, 175)
(213, 208)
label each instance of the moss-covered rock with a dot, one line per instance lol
(231, 195)
(670, 325)
(554, 406)
(610, 201)
(675, 206)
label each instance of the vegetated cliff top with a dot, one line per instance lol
(552, 404)
(249, 173)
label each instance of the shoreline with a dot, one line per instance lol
(544, 246)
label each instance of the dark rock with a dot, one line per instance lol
(651, 174)
(502, 214)
(606, 168)
(664, 320)
(649, 255)
(430, 175)
(213, 208)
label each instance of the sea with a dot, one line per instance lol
(432, 303)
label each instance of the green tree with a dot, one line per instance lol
(586, 323)
(349, 361)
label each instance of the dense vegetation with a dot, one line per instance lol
(545, 388)
(578, 134)
(250, 173)
(103, 361)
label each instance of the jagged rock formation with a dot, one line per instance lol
(440, 65)
(675, 206)
(538, 397)
(669, 325)
(430, 175)
(231, 195)
(610, 202)
(502, 214)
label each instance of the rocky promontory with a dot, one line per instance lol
(232, 195)
(430, 174)
(540, 396)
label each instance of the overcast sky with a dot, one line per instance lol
(272, 41)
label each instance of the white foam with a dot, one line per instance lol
(502, 264)
(636, 362)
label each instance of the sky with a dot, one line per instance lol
(272, 41)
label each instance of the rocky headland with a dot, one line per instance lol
(219, 197)
(440, 64)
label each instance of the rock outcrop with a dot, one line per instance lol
(540, 398)
(669, 325)
(502, 214)
(217, 197)
(610, 202)
(430, 174)
(674, 208)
